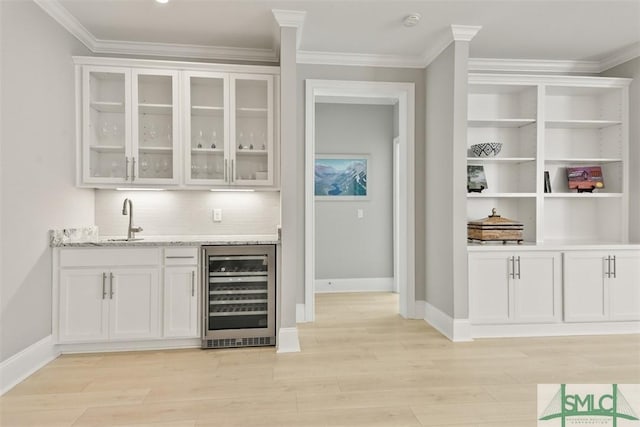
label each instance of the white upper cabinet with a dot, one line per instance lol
(165, 124)
(129, 126)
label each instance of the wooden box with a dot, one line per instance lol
(494, 228)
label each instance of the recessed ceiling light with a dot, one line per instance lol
(412, 20)
(162, 1)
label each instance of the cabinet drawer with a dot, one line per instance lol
(98, 257)
(181, 256)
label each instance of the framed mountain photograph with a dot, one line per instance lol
(341, 176)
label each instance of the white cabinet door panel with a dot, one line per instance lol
(624, 286)
(135, 311)
(585, 296)
(537, 288)
(82, 307)
(489, 288)
(180, 302)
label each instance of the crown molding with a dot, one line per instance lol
(533, 65)
(68, 21)
(464, 33)
(291, 19)
(620, 57)
(358, 59)
(184, 51)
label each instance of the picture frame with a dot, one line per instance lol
(476, 179)
(585, 178)
(342, 177)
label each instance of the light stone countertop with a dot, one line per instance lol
(183, 240)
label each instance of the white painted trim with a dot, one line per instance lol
(366, 284)
(159, 344)
(184, 51)
(288, 340)
(300, 313)
(292, 19)
(23, 364)
(68, 22)
(533, 65)
(464, 33)
(404, 93)
(175, 65)
(457, 330)
(419, 309)
(358, 59)
(620, 57)
(535, 80)
(554, 329)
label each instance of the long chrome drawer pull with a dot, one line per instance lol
(179, 257)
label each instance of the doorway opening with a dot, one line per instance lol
(401, 97)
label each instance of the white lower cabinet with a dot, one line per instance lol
(180, 302)
(514, 287)
(103, 304)
(601, 286)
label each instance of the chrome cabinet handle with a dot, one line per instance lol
(232, 178)
(608, 272)
(512, 273)
(111, 284)
(519, 277)
(126, 168)
(133, 169)
(226, 171)
(193, 283)
(179, 257)
(615, 267)
(104, 288)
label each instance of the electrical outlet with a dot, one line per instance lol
(217, 215)
(360, 213)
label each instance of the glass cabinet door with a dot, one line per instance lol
(206, 129)
(252, 128)
(154, 151)
(106, 124)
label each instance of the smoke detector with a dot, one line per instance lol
(412, 20)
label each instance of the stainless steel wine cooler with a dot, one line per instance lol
(239, 296)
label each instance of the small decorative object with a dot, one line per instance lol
(213, 146)
(239, 146)
(585, 178)
(486, 149)
(263, 147)
(494, 228)
(251, 147)
(547, 182)
(341, 177)
(476, 180)
(199, 145)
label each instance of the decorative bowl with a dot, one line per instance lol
(486, 149)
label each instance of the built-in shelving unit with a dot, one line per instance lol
(551, 123)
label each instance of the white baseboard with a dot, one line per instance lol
(554, 329)
(457, 330)
(106, 347)
(367, 284)
(300, 314)
(288, 340)
(21, 365)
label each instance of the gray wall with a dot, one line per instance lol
(446, 121)
(347, 247)
(631, 69)
(377, 74)
(37, 170)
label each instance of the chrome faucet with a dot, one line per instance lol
(132, 230)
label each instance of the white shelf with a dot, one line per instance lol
(205, 110)
(155, 108)
(108, 107)
(584, 160)
(107, 148)
(500, 159)
(582, 195)
(207, 150)
(155, 149)
(581, 124)
(249, 152)
(500, 123)
(251, 112)
(499, 195)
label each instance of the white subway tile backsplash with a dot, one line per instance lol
(188, 212)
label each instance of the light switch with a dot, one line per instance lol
(217, 215)
(360, 213)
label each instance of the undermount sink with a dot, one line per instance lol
(124, 239)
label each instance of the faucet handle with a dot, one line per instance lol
(136, 229)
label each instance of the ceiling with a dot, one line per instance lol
(563, 30)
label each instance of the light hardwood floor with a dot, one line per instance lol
(360, 365)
